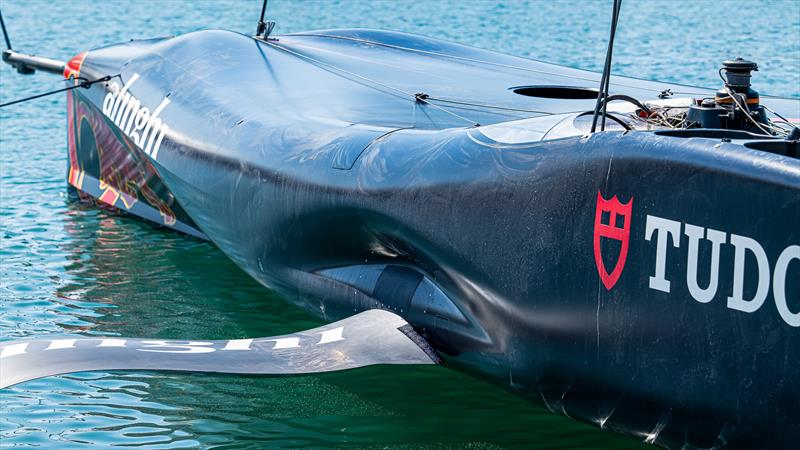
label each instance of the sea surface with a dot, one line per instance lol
(66, 269)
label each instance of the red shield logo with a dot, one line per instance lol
(616, 225)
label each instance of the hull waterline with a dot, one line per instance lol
(643, 282)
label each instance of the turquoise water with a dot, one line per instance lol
(67, 269)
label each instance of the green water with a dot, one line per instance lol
(66, 269)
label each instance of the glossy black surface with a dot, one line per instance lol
(309, 162)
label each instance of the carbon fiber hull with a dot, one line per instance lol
(646, 283)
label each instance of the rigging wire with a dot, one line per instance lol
(5, 33)
(83, 84)
(483, 105)
(261, 25)
(473, 60)
(419, 97)
(446, 100)
(617, 8)
(604, 80)
(264, 28)
(745, 110)
(781, 117)
(655, 117)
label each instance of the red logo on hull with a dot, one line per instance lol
(611, 230)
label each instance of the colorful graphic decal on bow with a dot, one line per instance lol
(105, 166)
(612, 221)
(135, 120)
(110, 196)
(75, 177)
(72, 69)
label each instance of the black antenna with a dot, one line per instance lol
(5, 33)
(605, 79)
(264, 28)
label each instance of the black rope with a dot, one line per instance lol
(610, 116)
(628, 99)
(83, 84)
(604, 80)
(5, 33)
